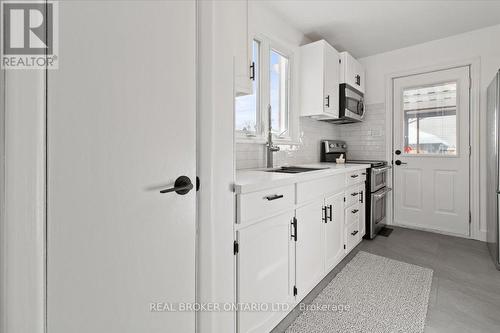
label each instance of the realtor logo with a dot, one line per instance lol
(29, 34)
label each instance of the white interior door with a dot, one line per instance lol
(121, 127)
(431, 151)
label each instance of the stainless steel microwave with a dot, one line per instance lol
(351, 105)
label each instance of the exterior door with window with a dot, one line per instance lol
(431, 151)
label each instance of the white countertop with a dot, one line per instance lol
(258, 179)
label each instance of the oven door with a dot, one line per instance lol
(378, 210)
(379, 178)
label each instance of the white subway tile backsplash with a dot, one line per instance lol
(365, 140)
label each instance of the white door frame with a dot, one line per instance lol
(474, 134)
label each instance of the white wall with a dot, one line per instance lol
(22, 219)
(482, 44)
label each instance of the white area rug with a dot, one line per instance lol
(378, 295)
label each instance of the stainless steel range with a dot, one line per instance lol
(376, 184)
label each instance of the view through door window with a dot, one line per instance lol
(430, 119)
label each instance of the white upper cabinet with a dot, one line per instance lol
(242, 48)
(319, 80)
(352, 72)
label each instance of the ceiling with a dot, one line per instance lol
(374, 26)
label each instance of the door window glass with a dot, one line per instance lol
(430, 119)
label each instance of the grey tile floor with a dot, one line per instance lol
(465, 292)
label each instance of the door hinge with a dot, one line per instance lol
(294, 291)
(470, 217)
(236, 247)
(470, 82)
(470, 151)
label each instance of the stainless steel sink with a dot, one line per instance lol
(294, 169)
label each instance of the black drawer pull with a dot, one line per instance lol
(354, 194)
(354, 176)
(354, 232)
(354, 211)
(274, 197)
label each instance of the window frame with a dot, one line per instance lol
(263, 96)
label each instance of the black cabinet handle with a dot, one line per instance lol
(354, 176)
(325, 214)
(331, 214)
(252, 71)
(181, 186)
(354, 211)
(274, 197)
(294, 226)
(354, 232)
(327, 101)
(361, 196)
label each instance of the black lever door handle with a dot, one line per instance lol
(354, 232)
(398, 162)
(181, 186)
(354, 211)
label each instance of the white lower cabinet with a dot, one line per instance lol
(263, 271)
(309, 247)
(284, 248)
(333, 234)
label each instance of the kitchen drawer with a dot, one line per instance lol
(311, 189)
(355, 177)
(352, 214)
(352, 195)
(257, 205)
(352, 236)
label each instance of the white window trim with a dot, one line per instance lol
(266, 45)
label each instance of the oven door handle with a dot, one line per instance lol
(376, 171)
(386, 190)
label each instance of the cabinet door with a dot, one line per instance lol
(331, 81)
(353, 72)
(359, 82)
(263, 270)
(334, 231)
(242, 46)
(309, 247)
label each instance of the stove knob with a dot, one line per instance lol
(332, 145)
(344, 146)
